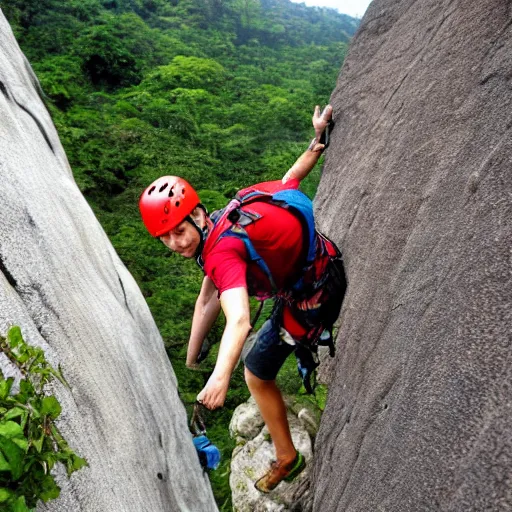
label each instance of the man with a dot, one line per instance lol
(259, 249)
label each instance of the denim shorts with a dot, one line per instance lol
(269, 351)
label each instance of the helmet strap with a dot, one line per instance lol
(203, 233)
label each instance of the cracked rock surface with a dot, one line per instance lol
(417, 192)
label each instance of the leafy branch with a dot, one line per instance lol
(30, 443)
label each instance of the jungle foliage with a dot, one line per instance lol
(220, 92)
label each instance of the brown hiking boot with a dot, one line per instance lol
(279, 472)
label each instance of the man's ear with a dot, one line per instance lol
(199, 216)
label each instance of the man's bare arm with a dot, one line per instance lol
(235, 304)
(206, 311)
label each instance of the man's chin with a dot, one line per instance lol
(188, 254)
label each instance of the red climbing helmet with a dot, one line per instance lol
(166, 203)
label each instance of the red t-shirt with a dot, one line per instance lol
(277, 237)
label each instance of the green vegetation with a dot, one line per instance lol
(220, 92)
(30, 443)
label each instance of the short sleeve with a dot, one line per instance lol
(226, 265)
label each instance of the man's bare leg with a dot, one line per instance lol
(272, 408)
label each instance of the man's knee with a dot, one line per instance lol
(254, 382)
(250, 378)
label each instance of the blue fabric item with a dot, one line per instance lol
(209, 454)
(303, 205)
(269, 352)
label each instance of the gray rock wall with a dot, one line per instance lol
(62, 282)
(417, 190)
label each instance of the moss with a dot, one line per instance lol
(250, 473)
(241, 486)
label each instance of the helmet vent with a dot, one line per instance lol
(171, 193)
(152, 189)
(163, 187)
(182, 190)
(177, 204)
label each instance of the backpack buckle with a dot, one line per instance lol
(234, 216)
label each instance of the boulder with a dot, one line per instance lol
(252, 458)
(417, 192)
(63, 284)
(246, 421)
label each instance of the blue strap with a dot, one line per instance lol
(253, 254)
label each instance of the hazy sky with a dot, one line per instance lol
(351, 7)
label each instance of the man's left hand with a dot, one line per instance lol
(321, 120)
(214, 393)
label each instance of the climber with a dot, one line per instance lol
(262, 244)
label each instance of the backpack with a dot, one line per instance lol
(231, 221)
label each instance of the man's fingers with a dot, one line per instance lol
(327, 112)
(207, 401)
(316, 115)
(203, 401)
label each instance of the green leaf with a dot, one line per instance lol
(5, 387)
(51, 407)
(14, 337)
(26, 391)
(15, 412)
(50, 490)
(5, 494)
(38, 443)
(75, 464)
(4, 465)
(13, 455)
(20, 505)
(23, 358)
(21, 442)
(10, 429)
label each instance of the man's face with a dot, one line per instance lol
(183, 239)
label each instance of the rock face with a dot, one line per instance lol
(417, 190)
(62, 282)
